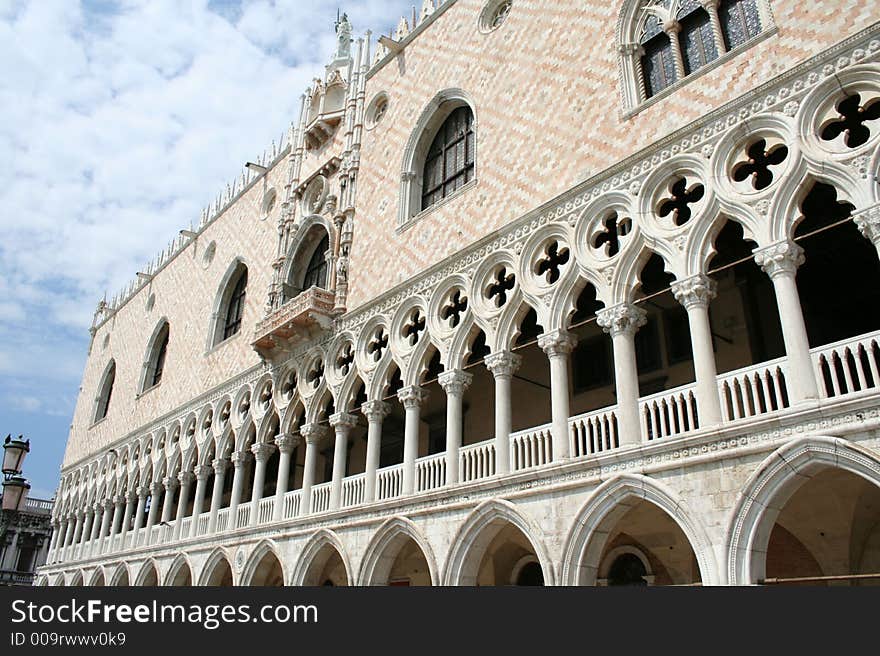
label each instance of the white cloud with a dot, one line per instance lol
(118, 122)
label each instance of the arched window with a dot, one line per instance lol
(449, 164)
(316, 272)
(740, 21)
(155, 362)
(105, 391)
(663, 41)
(235, 306)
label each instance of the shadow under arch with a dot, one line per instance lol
(386, 545)
(775, 481)
(476, 534)
(606, 506)
(314, 556)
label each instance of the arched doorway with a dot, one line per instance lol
(398, 556)
(510, 559)
(149, 576)
(180, 575)
(218, 573)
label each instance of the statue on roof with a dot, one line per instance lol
(343, 37)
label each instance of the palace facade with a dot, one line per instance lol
(562, 293)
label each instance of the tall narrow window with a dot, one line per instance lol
(450, 161)
(106, 391)
(740, 21)
(316, 272)
(235, 308)
(658, 60)
(155, 362)
(696, 37)
(160, 360)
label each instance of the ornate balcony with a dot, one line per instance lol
(300, 318)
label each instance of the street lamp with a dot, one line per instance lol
(13, 455)
(15, 491)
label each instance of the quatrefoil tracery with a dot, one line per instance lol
(454, 309)
(608, 241)
(502, 283)
(555, 257)
(415, 326)
(757, 167)
(316, 373)
(851, 119)
(680, 199)
(378, 344)
(345, 359)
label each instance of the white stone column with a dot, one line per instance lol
(261, 453)
(186, 479)
(170, 484)
(87, 528)
(98, 511)
(412, 398)
(455, 384)
(312, 434)
(116, 522)
(621, 322)
(503, 365)
(138, 515)
(105, 524)
(342, 423)
(672, 29)
(53, 541)
(219, 466)
(202, 473)
(155, 489)
(286, 445)
(126, 518)
(711, 7)
(868, 223)
(239, 460)
(558, 346)
(695, 294)
(375, 412)
(781, 261)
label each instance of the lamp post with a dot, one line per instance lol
(14, 451)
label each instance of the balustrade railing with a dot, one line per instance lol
(292, 503)
(754, 390)
(430, 472)
(669, 413)
(222, 519)
(244, 515)
(266, 507)
(321, 498)
(389, 482)
(531, 448)
(476, 461)
(848, 366)
(353, 490)
(593, 432)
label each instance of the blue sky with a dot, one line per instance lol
(119, 121)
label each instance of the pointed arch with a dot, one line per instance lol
(778, 477)
(213, 566)
(384, 547)
(148, 574)
(263, 549)
(608, 503)
(77, 579)
(154, 358)
(180, 572)
(229, 303)
(309, 256)
(105, 392)
(120, 576)
(476, 533)
(314, 556)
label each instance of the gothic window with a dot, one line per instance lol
(105, 392)
(234, 307)
(316, 271)
(155, 361)
(697, 40)
(658, 60)
(740, 21)
(449, 164)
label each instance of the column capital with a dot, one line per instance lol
(186, 477)
(780, 259)
(98, 505)
(240, 458)
(710, 4)
(557, 343)
(202, 472)
(155, 487)
(142, 491)
(868, 223)
(621, 319)
(454, 383)
(287, 442)
(262, 451)
(503, 363)
(89, 510)
(219, 465)
(412, 396)
(119, 499)
(671, 27)
(343, 420)
(170, 483)
(695, 292)
(108, 503)
(313, 433)
(375, 411)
